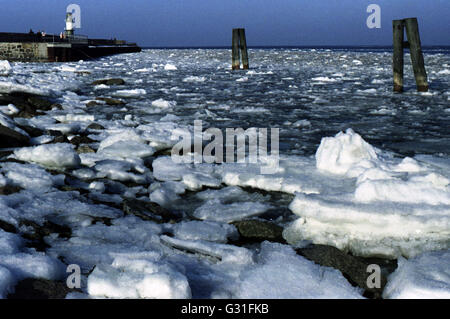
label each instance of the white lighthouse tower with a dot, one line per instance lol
(69, 24)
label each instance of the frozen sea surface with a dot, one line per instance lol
(381, 187)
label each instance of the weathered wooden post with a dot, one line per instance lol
(415, 48)
(414, 45)
(239, 49)
(398, 28)
(244, 52)
(236, 58)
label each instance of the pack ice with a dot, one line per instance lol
(383, 206)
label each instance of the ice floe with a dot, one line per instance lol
(60, 155)
(426, 276)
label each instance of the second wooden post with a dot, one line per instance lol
(236, 58)
(415, 48)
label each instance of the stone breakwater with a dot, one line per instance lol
(21, 47)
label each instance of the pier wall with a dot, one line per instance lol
(24, 51)
(22, 47)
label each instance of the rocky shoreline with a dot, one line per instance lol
(250, 231)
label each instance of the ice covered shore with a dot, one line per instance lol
(97, 189)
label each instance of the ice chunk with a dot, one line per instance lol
(59, 155)
(164, 169)
(194, 79)
(426, 276)
(9, 109)
(127, 135)
(282, 274)
(386, 207)
(130, 93)
(65, 128)
(204, 230)
(5, 68)
(302, 123)
(143, 275)
(411, 191)
(119, 170)
(11, 87)
(37, 265)
(170, 67)
(216, 211)
(166, 193)
(370, 229)
(124, 149)
(161, 103)
(195, 181)
(30, 176)
(79, 117)
(346, 153)
(225, 253)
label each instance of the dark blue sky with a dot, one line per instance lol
(209, 22)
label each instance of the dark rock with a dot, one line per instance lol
(77, 140)
(41, 231)
(7, 227)
(60, 139)
(109, 82)
(66, 188)
(53, 133)
(148, 211)
(40, 103)
(258, 230)
(353, 268)
(92, 103)
(82, 72)
(40, 289)
(83, 149)
(111, 101)
(95, 126)
(26, 114)
(31, 130)
(9, 189)
(12, 138)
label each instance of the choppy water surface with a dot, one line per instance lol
(331, 89)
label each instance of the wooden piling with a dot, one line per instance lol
(398, 31)
(243, 47)
(414, 45)
(412, 32)
(236, 59)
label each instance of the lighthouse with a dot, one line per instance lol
(69, 24)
